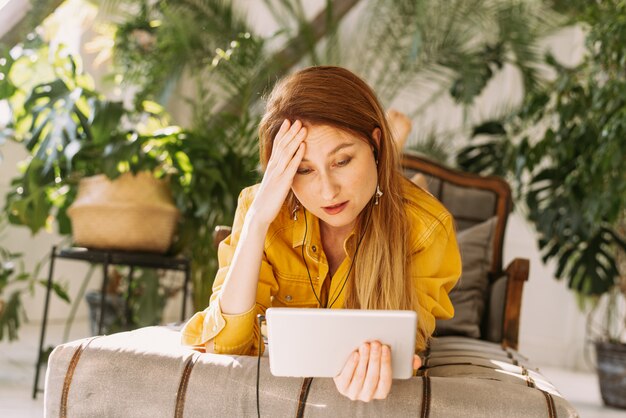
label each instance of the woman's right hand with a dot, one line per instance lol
(287, 152)
(367, 373)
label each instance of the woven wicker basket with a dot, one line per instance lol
(132, 213)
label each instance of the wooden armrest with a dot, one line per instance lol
(220, 233)
(517, 273)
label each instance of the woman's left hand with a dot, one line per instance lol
(367, 374)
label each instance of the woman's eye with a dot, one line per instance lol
(343, 162)
(303, 171)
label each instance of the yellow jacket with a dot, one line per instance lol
(283, 279)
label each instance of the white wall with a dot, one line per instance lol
(552, 328)
(11, 12)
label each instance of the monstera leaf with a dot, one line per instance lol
(584, 251)
(57, 122)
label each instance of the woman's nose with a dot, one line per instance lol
(329, 188)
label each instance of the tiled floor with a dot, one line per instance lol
(17, 376)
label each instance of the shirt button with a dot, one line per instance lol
(314, 248)
(288, 298)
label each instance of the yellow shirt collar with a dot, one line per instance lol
(313, 235)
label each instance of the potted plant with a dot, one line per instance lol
(73, 134)
(606, 328)
(564, 149)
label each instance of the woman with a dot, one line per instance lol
(333, 224)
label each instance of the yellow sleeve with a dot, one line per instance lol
(232, 334)
(435, 269)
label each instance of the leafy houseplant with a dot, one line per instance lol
(72, 133)
(565, 149)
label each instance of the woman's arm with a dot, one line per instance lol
(238, 293)
(245, 281)
(435, 269)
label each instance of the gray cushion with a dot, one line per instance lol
(469, 295)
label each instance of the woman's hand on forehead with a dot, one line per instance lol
(287, 153)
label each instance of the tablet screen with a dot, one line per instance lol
(304, 342)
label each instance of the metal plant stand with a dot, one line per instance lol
(108, 258)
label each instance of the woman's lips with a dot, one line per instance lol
(333, 210)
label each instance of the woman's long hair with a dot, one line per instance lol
(336, 97)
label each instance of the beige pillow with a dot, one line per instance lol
(469, 295)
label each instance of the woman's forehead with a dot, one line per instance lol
(327, 138)
(323, 142)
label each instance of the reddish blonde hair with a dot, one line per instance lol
(336, 97)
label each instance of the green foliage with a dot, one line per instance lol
(565, 151)
(10, 316)
(71, 132)
(14, 283)
(213, 159)
(406, 48)
(295, 25)
(456, 44)
(156, 46)
(218, 162)
(432, 146)
(7, 89)
(149, 298)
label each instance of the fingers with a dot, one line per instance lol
(367, 374)
(386, 374)
(354, 391)
(417, 362)
(283, 128)
(373, 372)
(286, 143)
(289, 131)
(287, 154)
(292, 167)
(342, 381)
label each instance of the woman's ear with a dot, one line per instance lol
(376, 137)
(376, 133)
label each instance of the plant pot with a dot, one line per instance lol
(114, 319)
(131, 213)
(612, 373)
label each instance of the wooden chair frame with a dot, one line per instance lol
(517, 271)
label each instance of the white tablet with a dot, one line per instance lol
(305, 342)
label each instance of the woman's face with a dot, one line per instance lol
(337, 176)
